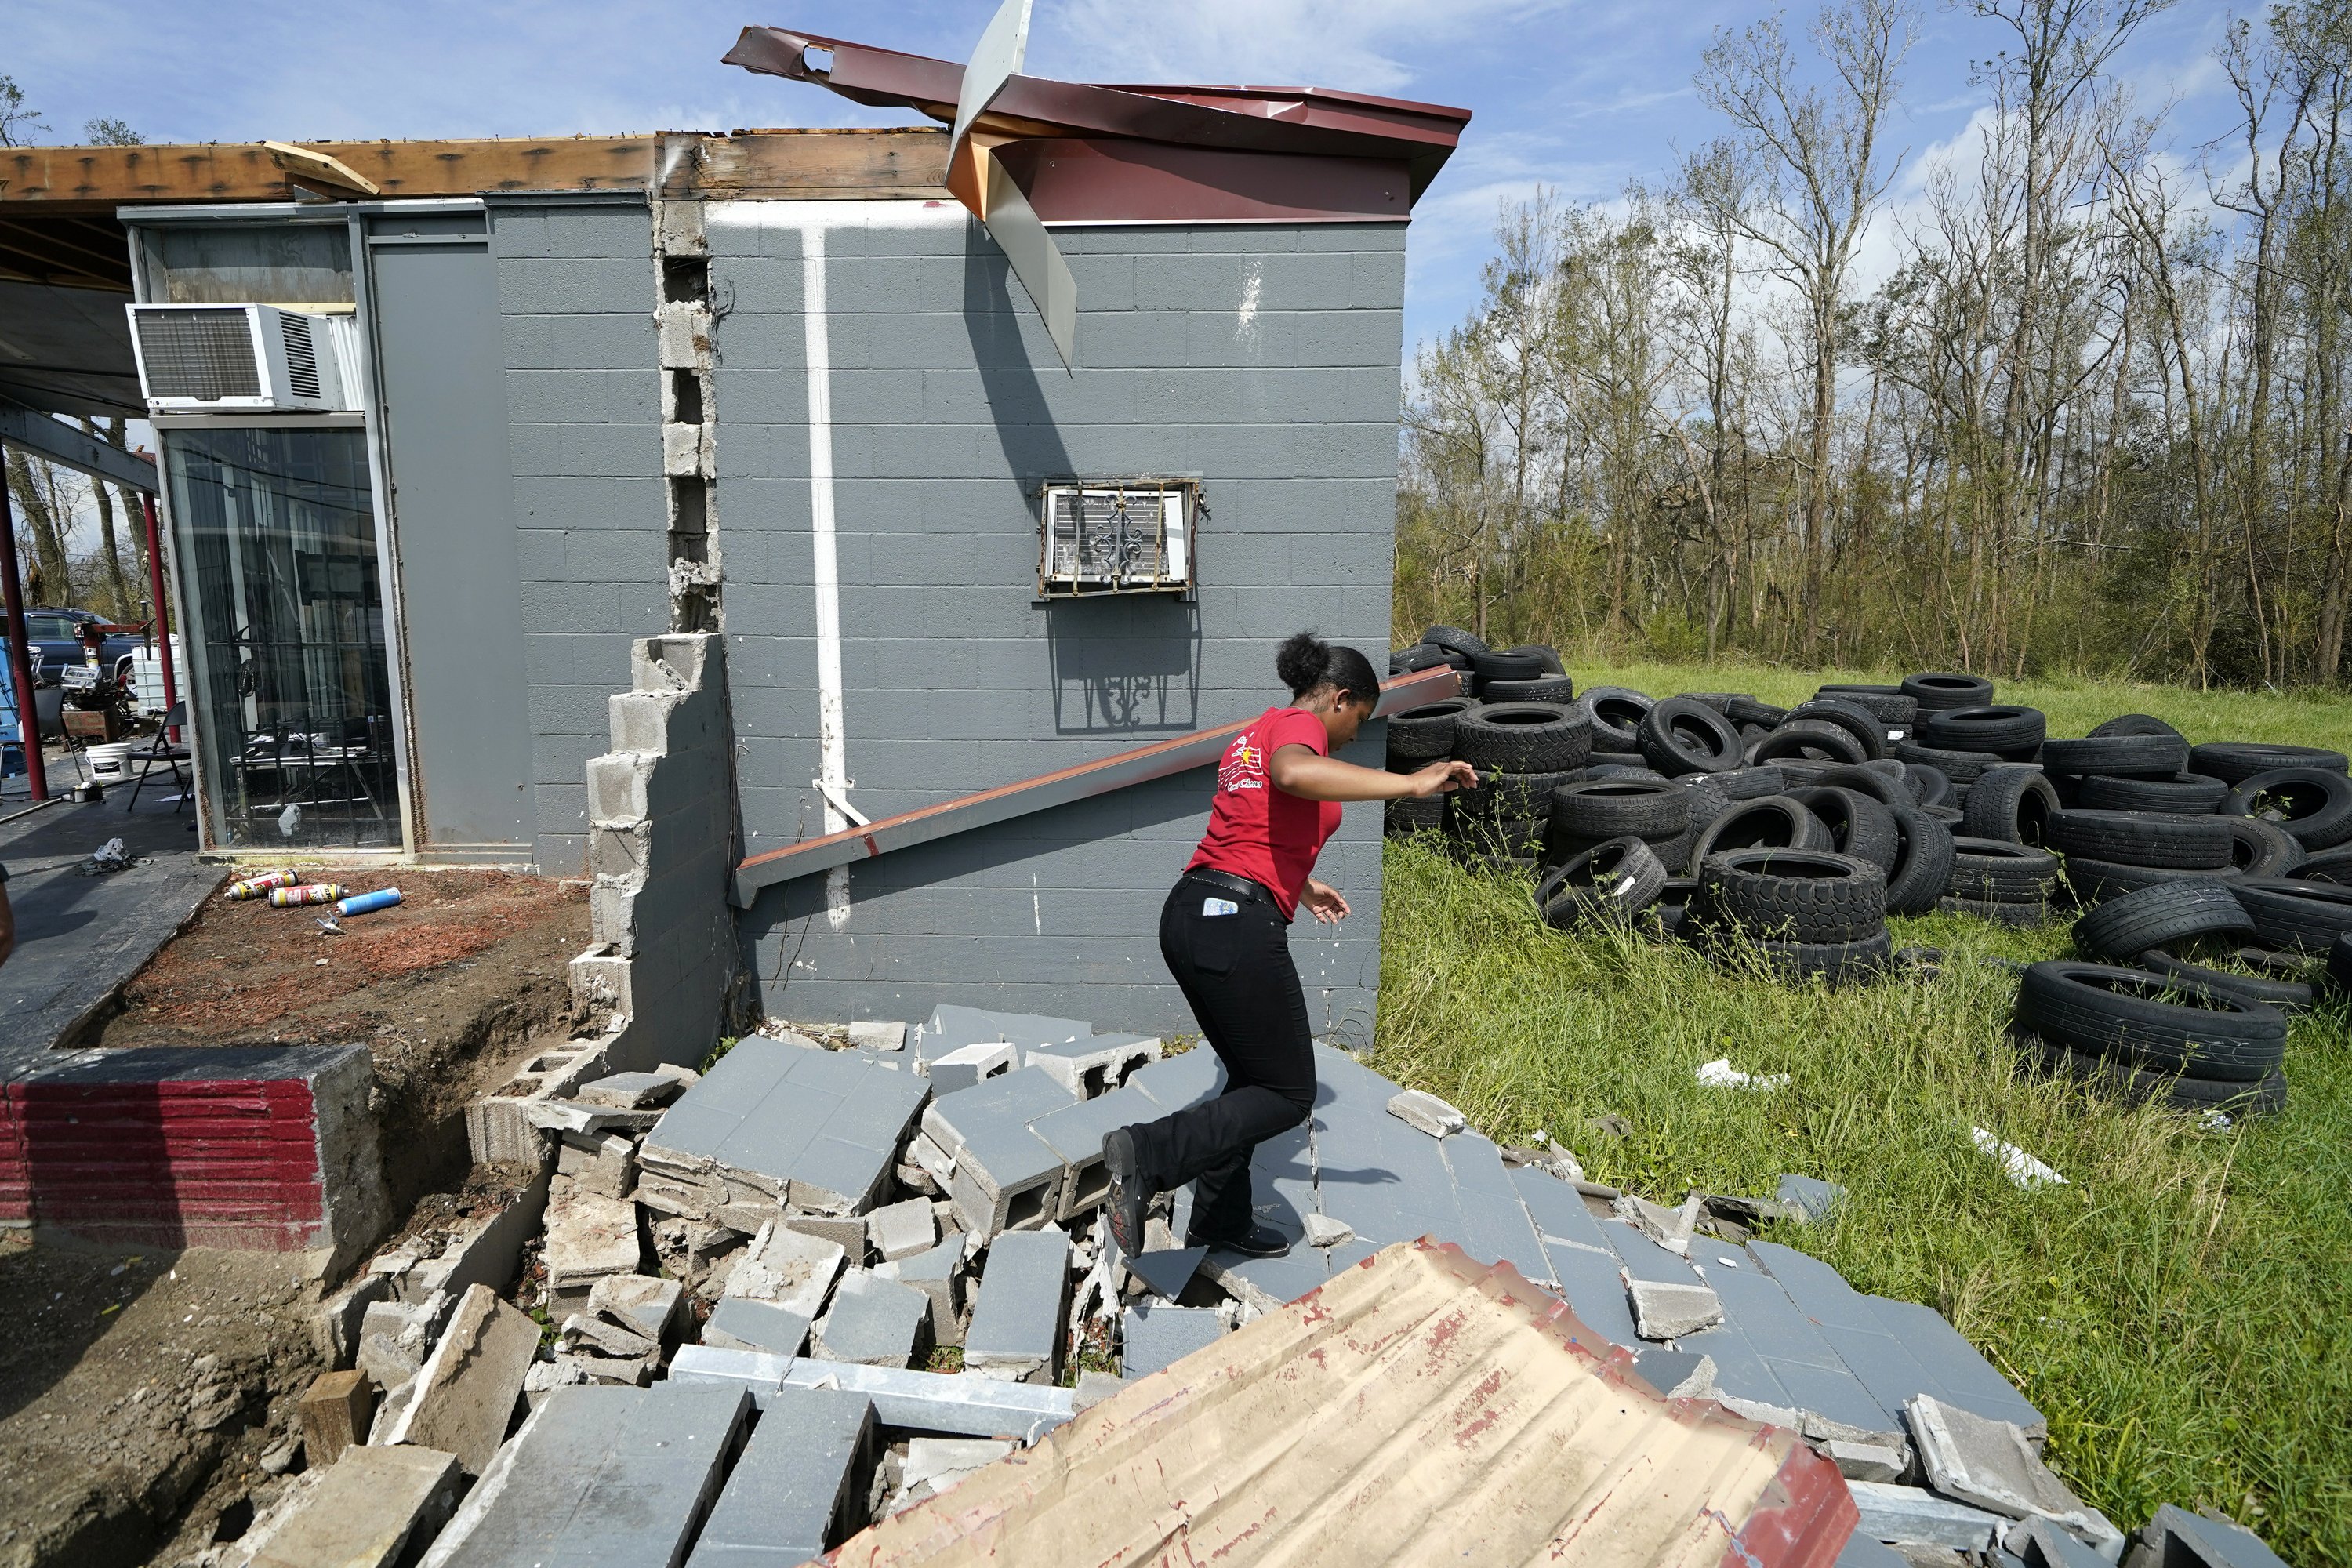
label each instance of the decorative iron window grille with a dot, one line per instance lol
(1118, 536)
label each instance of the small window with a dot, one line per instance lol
(51, 628)
(1118, 536)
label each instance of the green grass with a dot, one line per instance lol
(2182, 1312)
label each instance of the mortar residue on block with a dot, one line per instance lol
(1418, 1108)
(1918, 1517)
(631, 1090)
(795, 1270)
(1023, 1306)
(1667, 1311)
(1322, 1230)
(739, 1323)
(903, 1229)
(334, 1412)
(1677, 1374)
(588, 1236)
(1005, 1178)
(465, 1391)
(873, 1035)
(1094, 1066)
(1155, 1337)
(363, 1511)
(934, 1465)
(873, 1321)
(600, 1474)
(1865, 1461)
(640, 1302)
(789, 1497)
(1990, 1465)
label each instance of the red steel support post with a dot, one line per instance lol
(20, 660)
(162, 612)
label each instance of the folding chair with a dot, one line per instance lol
(163, 752)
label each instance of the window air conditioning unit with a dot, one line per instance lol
(1118, 536)
(221, 358)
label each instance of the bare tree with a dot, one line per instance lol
(18, 119)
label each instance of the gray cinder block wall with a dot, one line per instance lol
(661, 808)
(1262, 359)
(577, 293)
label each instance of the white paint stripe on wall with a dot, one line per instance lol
(812, 221)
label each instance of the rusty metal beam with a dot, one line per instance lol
(1006, 802)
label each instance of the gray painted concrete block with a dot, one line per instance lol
(2041, 1544)
(1418, 1109)
(1166, 1272)
(1917, 1517)
(903, 1229)
(1017, 1097)
(1022, 1308)
(959, 1404)
(873, 1321)
(1813, 1199)
(1990, 1465)
(1154, 1336)
(937, 1274)
(1867, 1461)
(598, 1473)
(1861, 1550)
(739, 1323)
(1557, 1210)
(1677, 1374)
(1644, 1258)
(1668, 1311)
(1076, 1132)
(1096, 1064)
(1005, 1178)
(1264, 1284)
(789, 1496)
(1176, 1083)
(1969, 1380)
(951, 1027)
(1592, 1285)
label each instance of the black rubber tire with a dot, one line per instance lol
(1929, 785)
(2339, 963)
(1861, 825)
(1543, 654)
(2296, 915)
(2312, 805)
(2335, 865)
(1923, 862)
(1818, 738)
(1949, 816)
(2010, 803)
(2013, 733)
(1620, 878)
(2135, 724)
(2183, 795)
(1453, 640)
(1957, 767)
(1519, 838)
(1682, 735)
(2138, 838)
(1712, 794)
(1887, 704)
(2096, 881)
(2000, 911)
(1869, 779)
(1767, 822)
(1522, 738)
(2182, 1093)
(1720, 702)
(2119, 757)
(2165, 915)
(1792, 895)
(1747, 710)
(1868, 730)
(1500, 665)
(1558, 688)
(2234, 762)
(1426, 814)
(1993, 870)
(1614, 713)
(1833, 964)
(1503, 793)
(1669, 919)
(1426, 733)
(1420, 655)
(1600, 809)
(2289, 996)
(2258, 849)
(1942, 690)
(2143, 1020)
(1618, 765)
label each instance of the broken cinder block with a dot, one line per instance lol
(792, 1269)
(873, 1321)
(364, 1510)
(1664, 1311)
(1024, 1305)
(466, 1390)
(1420, 1108)
(1989, 1464)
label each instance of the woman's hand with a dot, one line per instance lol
(1324, 902)
(1441, 778)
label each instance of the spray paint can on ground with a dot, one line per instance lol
(364, 903)
(254, 886)
(308, 894)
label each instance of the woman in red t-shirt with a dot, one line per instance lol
(1225, 933)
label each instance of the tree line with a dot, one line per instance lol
(2093, 419)
(48, 497)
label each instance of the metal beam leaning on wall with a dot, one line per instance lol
(839, 849)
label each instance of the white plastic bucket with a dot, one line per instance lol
(110, 764)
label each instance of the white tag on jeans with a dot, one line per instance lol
(1220, 906)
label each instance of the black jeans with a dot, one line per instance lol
(1235, 971)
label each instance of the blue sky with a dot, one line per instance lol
(1579, 94)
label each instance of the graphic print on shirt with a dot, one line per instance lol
(1244, 765)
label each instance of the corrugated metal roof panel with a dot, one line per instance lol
(1418, 1408)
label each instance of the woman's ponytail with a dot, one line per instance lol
(1305, 662)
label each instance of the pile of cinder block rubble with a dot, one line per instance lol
(842, 1270)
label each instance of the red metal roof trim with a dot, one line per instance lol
(1242, 122)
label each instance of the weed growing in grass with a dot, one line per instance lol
(2181, 1310)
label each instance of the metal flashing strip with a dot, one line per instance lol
(346, 419)
(1006, 802)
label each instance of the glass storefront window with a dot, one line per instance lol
(277, 556)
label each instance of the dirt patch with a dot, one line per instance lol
(139, 1396)
(445, 990)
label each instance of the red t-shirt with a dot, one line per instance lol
(1258, 831)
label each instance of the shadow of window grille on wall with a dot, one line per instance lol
(1118, 536)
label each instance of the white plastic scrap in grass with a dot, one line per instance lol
(1720, 1074)
(2020, 1166)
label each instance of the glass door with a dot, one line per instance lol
(287, 672)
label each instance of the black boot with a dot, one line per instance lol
(1258, 1241)
(1130, 1193)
